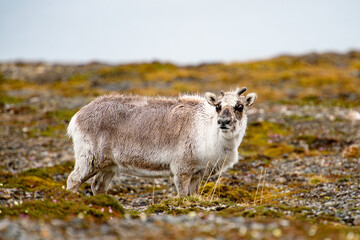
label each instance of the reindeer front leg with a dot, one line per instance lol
(182, 183)
(194, 185)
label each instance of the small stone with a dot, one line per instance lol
(312, 231)
(282, 180)
(331, 117)
(272, 226)
(277, 232)
(328, 204)
(4, 224)
(5, 196)
(143, 217)
(284, 223)
(357, 220)
(353, 151)
(192, 215)
(351, 236)
(353, 115)
(45, 232)
(242, 230)
(257, 226)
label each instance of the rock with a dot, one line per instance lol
(5, 196)
(353, 115)
(328, 204)
(282, 180)
(4, 224)
(353, 151)
(357, 220)
(277, 232)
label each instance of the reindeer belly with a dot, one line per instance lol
(144, 167)
(144, 172)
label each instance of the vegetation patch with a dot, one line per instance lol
(65, 205)
(266, 138)
(48, 172)
(276, 150)
(185, 205)
(222, 191)
(4, 99)
(62, 115)
(37, 178)
(316, 141)
(54, 201)
(314, 180)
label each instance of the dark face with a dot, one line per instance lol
(230, 108)
(230, 111)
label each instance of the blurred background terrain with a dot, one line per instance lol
(301, 146)
(299, 172)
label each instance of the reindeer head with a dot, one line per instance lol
(231, 108)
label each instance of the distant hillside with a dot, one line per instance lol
(329, 78)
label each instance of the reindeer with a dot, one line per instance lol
(188, 137)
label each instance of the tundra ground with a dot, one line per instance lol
(299, 176)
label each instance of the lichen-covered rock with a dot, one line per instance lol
(354, 115)
(353, 151)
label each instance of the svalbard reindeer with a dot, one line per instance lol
(188, 137)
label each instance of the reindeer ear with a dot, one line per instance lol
(250, 99)
(211, 98)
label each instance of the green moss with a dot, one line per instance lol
(184, 87)
(343, 179)
(106, 201)
(265, 138)
(49, 131)
(58, 203)
(78, 79)
(185, 205)
(314, 180)
(276, 150)
(48, 172)
(37, 178)
(62, 114)
(135, 70)
(263, 211)
(300, 118)
(2, 77)
(66, 206)
(75, 86)
(4, 99)
(233, 194)
(4, 175)
(30, 182)
(180, 211)
(316, 141)
(157, 208)
(319, 101)
(133, 213)
(267, 211)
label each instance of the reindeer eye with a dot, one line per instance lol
(239, 107)
(218, 107)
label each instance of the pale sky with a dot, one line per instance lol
(183, 32)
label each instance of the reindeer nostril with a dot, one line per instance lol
(224, 121)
